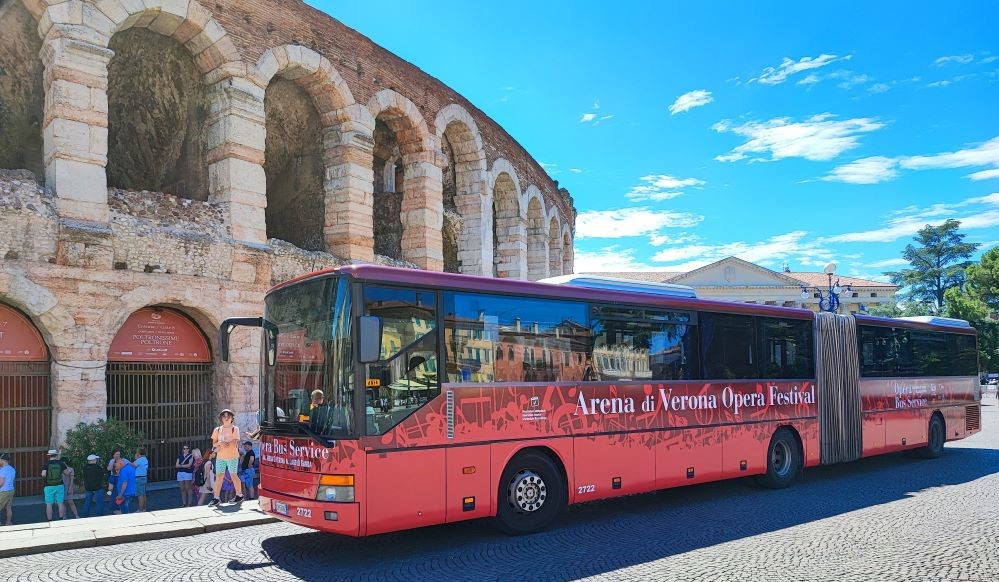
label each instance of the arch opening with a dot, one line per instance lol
(537, 257)
(158, 106)
(294, 166)
(25, 398)
(452, 217)
(506, 228)
(159, 382)
(388, 187)
(566, 254)
(554, 249)
(21, 91)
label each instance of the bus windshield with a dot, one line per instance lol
(307, 385)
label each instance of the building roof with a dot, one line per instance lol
(649, 276)
(822, 280)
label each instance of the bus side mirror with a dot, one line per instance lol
(230, 324)
(369, 331)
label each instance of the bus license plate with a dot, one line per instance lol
(281, 508)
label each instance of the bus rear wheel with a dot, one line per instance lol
(783, 460)
(531, 494)
(935, 439)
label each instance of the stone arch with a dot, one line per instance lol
(408, 217)
(554, 246)
(21, 92)
(537, 238)
(509, 237)
(567, 254)
(464, 186)
(304, 100)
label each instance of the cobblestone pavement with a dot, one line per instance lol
(894, 518)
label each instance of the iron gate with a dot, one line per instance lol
(25, 421)
(170, 404)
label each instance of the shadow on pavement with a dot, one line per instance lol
(599, 537)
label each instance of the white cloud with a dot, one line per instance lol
(985, 174)
(587, 117)
(626, 222)
(818, 138)
(770, 252)
(957, 59)
(878, 88)
(788, 67)
(811, 79)
(986, 154)
(593, 119)
(690, 100)
(906, 222)
(576, 170)
(660, 187)
(849, 79)
(879, 169)
(864, 171)
(888, 263)
(608, 259)
(990, 59)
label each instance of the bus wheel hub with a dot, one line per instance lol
(528, 491)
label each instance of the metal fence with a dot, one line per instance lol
(25, 421)
(170, 404)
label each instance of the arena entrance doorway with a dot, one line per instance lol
(159, 381)
(25, 399)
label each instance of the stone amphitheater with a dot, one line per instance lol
(181, 156)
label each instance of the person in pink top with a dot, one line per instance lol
(225, 439)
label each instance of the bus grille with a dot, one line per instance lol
(972, 418)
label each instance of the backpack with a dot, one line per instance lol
(199, 475)
(53, 473)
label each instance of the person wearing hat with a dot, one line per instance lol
(55, 491)
(225, 439)
(247, 468)
(7, 474)
(93, 486)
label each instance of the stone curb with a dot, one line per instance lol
(111, 530)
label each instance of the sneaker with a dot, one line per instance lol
(214, 502)
(237, 499)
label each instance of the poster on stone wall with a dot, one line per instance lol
(19, 340)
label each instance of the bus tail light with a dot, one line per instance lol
(336, 488)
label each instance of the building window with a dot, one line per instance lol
(874, 294)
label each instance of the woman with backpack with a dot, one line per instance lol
(204, 477)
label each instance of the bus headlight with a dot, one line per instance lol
(336, 488)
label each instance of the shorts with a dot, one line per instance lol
(181, 476)
(222, 464)
(6, 499)
(55, 494)
(248, 475)
(140, 486)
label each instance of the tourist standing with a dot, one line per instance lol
(185, 474)
(7, 476)
(126, 485)
(113, 479)
(225, 438)
(141, 464)
(55, 492)
(204, 477)
(247, 468)
(69, 487)
(93, 487)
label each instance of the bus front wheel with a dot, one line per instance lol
(783, 460)
(531, 494)
(935, 439)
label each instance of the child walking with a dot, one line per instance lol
(225, 438)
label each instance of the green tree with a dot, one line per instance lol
(100, 438)
(938, 263)
(978, 303)
(904, 309)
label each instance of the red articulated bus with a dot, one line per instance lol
(395, 398)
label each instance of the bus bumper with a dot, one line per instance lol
(339, 518)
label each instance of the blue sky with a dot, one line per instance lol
(687, 132)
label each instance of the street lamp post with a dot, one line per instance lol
(828, 301)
